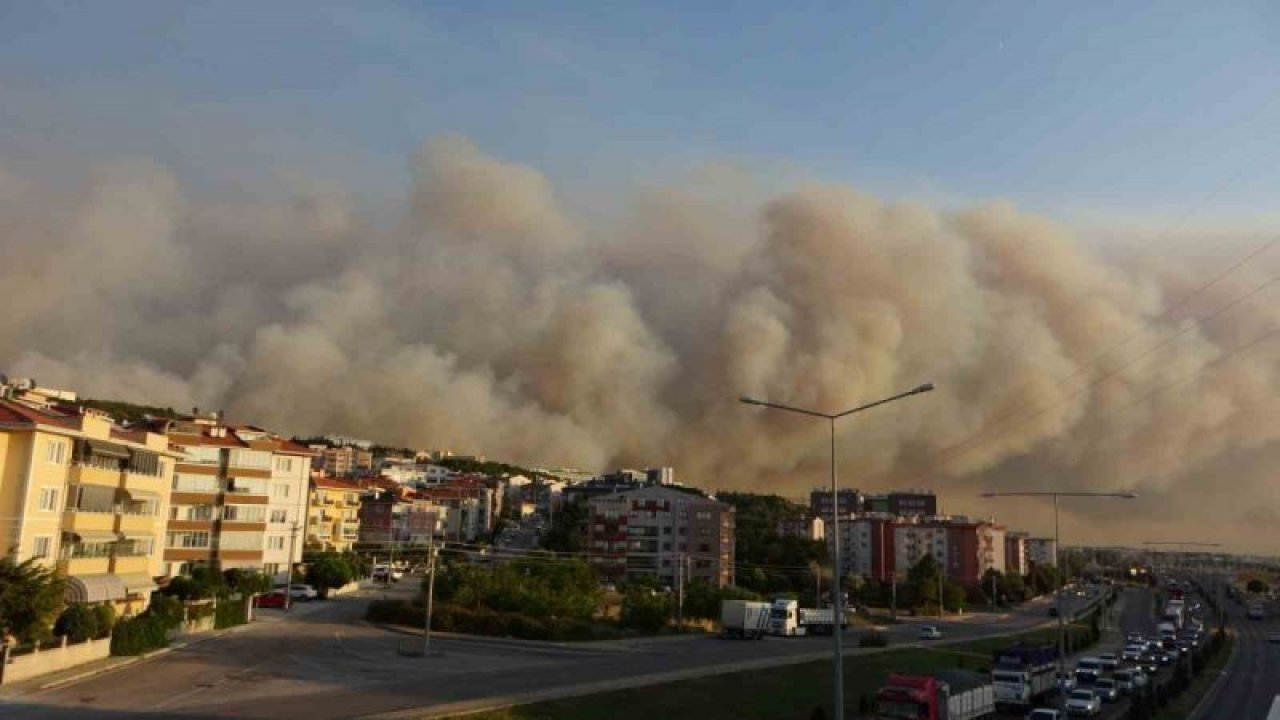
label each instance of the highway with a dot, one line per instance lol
(325, 663)
(1252, 684)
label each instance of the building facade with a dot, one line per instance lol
(1016, 559)
(85, 497)
(654, 531)
(333, 522)
(820, 502)
(973, 549)
(809, 528)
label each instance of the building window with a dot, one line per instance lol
(271, 568)
(48, 499)
(55, 451)
(279, 516)
(190, 540)
(281, 490)
(191, 512)
(244, 513)
(275, 542)
(284, 464)
(42, 546)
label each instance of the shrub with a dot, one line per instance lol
(141, 634)
(78, 622)
(106, 615)
(873, 639)
(644, 610)
(229, 613)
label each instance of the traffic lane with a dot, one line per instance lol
(1253, 676)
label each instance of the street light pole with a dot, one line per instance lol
(836, 590)
(1057, 566)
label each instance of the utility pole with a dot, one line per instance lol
(431, 594)
(680, 560)
(288, 593)
(940, 612)
(995, 600)
(893, 589)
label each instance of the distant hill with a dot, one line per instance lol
(130, 413)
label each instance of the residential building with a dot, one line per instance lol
(1041, 552)
(867, 546)
(343, 461)
(85, 497)
(221, 494)
(973, 548)
(850, 502)
(909, 503)
(653, 530)
(913, 541)
(287, 506)
(810, 527)
(333, 515)
(1016, 559)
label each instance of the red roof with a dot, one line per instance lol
(229, 440)
(334, 484)
(17, 413)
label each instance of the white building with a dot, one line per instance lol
(286, 512)
(913, 542)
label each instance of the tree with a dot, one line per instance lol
(1256, 586)
(646, 609)
(248, 582)
(922, 582)
(31, 597)
(565, 533)
(78, 622)
(328, 572)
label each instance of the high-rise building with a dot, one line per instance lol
(850, 502)
(333, 522)
(656, 530)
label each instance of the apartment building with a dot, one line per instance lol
(344, 461)
(1016, 559)
(849, 501)
(808, 528)
(973, 548)
(1041, 552)
(333, 522)
(652, 530)
(286, 511)
(85, 497)
(913, 541)
(867, 546)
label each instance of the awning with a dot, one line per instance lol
(93, 536)
(141, 495)
(137, 583)
(94, 588)
(107, 449)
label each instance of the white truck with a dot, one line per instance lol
(788, 619)
(744, 619)
(1023, 675)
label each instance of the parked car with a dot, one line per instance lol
(305, 593)
(387, 573)
(1083, 702)
(1044, 714)
(1106, 689)
(930, 632)
(273, 599)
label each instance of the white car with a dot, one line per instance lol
(305, 593)
(1083, 702)
(1133, 652)
(1044, 714)
(930, 632)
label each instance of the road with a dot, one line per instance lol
(324, 663)
(1253, 676)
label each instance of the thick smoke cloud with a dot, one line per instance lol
(489, 319)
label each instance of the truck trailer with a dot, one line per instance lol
(788, 619)
(744, 619)
(945, 695)
(1023, 674)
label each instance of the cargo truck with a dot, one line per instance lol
(788, 619)
(945, 695)
(1023, 674)
(744, 619)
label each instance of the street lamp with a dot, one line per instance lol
(1057, 544)
(836, 593)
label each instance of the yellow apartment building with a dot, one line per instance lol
(333, 516)
(85, 497)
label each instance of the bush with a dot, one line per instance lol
(78, 622)
(148, 631)
(106, 615)
(229, 613)
(873, 639)
(447, 617)
(645, 610)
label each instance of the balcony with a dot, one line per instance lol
(76, 520)
(90, 475)
(85, 565)
(137, 524)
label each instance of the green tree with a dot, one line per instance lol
(78, 622)
(567, 528)
(328, 572)
(1256, 586)
(646, 609)
(30, 599)
(922, 582)
(247, 582)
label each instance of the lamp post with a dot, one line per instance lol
(836, 593)
(1057, 545)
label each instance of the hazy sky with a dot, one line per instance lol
(574, 234)
(1130, 108)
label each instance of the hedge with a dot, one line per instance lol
(229, 613)
(140, 634)
(447, 617)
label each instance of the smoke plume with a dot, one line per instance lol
(488, 319)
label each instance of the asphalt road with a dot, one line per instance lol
(323, 662)
(1253, 675)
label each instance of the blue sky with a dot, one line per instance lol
(1126, 108)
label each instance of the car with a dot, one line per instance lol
(1273, 637)
(305, 593)
(1088, 669)
(1109, 661)
(1083, 702)
(273, 599)
(1132, 652)
(1044, 714)
(1106, 689)
(1164, 658)
(387, 573)
(1134, 638)
(1149, 663)
(930, 632)
(1066, 682)
(1126, 680)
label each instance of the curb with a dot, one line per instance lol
(504, 642)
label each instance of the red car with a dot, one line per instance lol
(273, 599)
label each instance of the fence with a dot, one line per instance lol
(23, 662)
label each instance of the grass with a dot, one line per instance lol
(1187, 701)
(782, 692)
